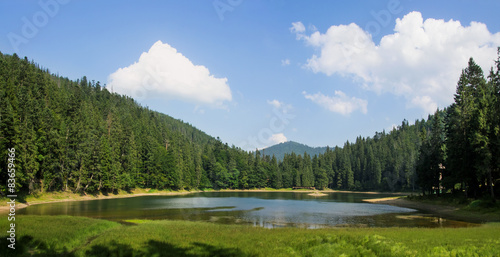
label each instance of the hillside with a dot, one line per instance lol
(289, 147)
(63, 135)
(76, 135)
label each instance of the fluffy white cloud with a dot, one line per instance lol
(421, 60)
(340, 103)
(278, 138)
(164, 72)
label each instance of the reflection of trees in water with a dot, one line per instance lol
(266, 209)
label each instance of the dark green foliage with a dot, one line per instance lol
(431, 160)
(78, 136)
(385, 162)
(473, 133)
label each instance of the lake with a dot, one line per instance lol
(265, 209)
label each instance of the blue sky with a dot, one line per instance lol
(255, 72)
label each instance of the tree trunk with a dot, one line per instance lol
(79, 179)
(490, 178)
(30, 186)
(86, 186)
(78, 184)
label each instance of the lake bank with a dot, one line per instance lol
(75, 204)
(54, 197)
(445, 211)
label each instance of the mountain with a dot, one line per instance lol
(289, 147)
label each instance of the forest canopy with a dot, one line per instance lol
(78, 136)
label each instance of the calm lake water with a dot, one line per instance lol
(265, 209)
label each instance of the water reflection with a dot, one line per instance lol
(264, 209)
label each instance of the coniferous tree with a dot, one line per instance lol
(78, 136)
(461, 128)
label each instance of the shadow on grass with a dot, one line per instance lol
(27, 246)
(20, 197)
(163, 249)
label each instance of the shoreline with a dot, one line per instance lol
(444, 211)
(73, 197)
(55, 197)
(425, 207)
(311, 191)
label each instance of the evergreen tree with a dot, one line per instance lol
(78, 136)
(461, 128)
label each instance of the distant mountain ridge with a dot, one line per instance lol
(289, 147)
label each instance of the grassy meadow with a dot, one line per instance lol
(79, 236)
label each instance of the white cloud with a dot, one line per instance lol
(164, 72)
(275, 103)
(421, 60)
(297, 27)
(198, 110)
(340, 103)
(277, 138)
(285, 62)
(280, 105)
(312, 28)
(424, 102)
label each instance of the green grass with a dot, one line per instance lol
(76, 236)
(52, 234)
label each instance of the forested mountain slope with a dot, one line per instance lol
(79, 136)
(76, 135)
(279, 150)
